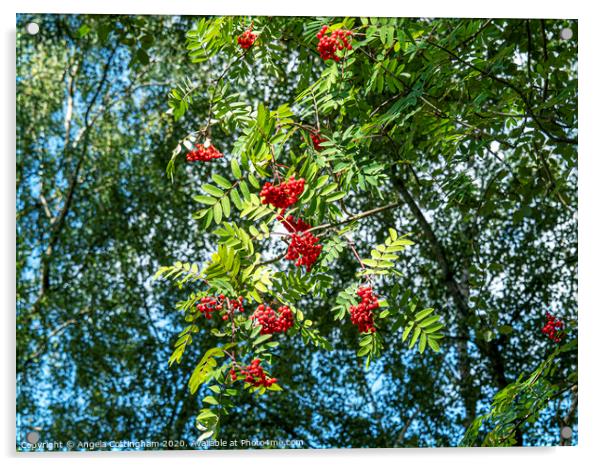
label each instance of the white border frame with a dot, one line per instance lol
(589, 225)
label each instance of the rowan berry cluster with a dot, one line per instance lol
(272, 322)
(329, 45)
(283, 195)
(210, 304)
(247, 38)
(255, 375)
(553, 328)
(293, 225)
(236, 304)
(317, 140)
(361, 315)
(203, 154)
(304, 249)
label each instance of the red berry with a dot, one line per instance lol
(317, 140)
(329, 45)
(247, 38)
(272, 322)
(292, 225)
(237, 304)
(361, 315)
(203, 154)
(255, 375)
(210, 304)
(207, 306)
(304, 249)
(553, 328)
(283, 195)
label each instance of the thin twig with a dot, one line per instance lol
(367, 213)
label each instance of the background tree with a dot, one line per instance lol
(467, 127)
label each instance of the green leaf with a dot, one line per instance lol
(335, 196)
(367, 340)
(142, 56)
(244, 189)
(235, 167)
(432, 328)
(422, 344)
(261, 339)
(210, 400)
(406, 332)
(427, 322)
(328, 189)
(83, 30)
(415, 336)
(370, 262)
(434, 345)
(217, 212)
(204, 199)
(206, 413)
(253, 181)
(236, 199)
(422, 314)
(213, 190)
(226, 206)
(220, 180)
(255, 330)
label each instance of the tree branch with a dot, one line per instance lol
(56, 331)
(59, 221)
(359, 216)
(436, 247)
(512, 86)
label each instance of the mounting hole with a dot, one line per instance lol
(566, 432)
(32, 28)
(566, 34)
(32, 437)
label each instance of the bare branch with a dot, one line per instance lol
(359, 216)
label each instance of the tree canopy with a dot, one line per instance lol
(439, 161)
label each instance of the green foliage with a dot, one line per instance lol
(180, 272)
(218, 198)
(238, 239)
(295, 284)
(333, 249)
(180, 98)
(425, 330)
(344, 300)
(210, 37)
(424, 325)
(255, 210)
(371, 346)
(204, 371)
(520, 403)
(383, 257)
(184, 338)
